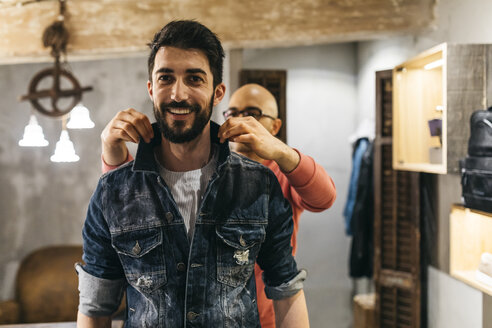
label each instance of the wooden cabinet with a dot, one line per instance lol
(435, 94)
(470, 236)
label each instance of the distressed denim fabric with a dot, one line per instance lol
(134, 231)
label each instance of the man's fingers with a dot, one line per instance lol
(125, 136)
(125, 131)
(232, 128)
(244, 138)
(142, 125)
(138, 121)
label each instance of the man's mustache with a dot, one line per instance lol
(181, 104)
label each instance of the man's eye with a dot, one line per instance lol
(195, 79)
(165, 78)
(252, 113)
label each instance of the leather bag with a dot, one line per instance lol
(480, 142)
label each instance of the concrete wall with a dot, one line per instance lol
(321, 114)
(44, 203)
(457, 22)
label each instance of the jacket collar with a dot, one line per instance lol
(145, 159)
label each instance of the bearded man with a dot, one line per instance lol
(181, 227)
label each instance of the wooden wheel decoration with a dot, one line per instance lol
(55, 93)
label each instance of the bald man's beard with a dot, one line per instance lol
(176, 132)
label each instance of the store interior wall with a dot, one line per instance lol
(456, 22)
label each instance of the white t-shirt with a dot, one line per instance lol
(188, 188)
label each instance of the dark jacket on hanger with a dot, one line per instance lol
(362, 221)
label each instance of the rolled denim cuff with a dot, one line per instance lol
(287, 289)
(98, 297)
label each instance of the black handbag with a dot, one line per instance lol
(476, 182)
(480, 142)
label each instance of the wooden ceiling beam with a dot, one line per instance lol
(106, 28)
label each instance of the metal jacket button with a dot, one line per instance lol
(169, 217)
(181, 267)
(191, 315)
(242, 241)
(136, 249)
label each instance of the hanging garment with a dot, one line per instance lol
(360, 148)
(362, 221)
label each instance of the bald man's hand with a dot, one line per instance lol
(250, 132)
(128, 125)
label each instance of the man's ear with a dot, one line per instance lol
(277, 124)
(219, 93)
(149, 89)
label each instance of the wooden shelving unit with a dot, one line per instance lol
(446, 83)
(470, 236)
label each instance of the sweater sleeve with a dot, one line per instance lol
(106, 167)
(311, 187)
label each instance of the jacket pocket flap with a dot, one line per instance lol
(137, 243)
(241, 236)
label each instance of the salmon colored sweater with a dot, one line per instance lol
(307, 187)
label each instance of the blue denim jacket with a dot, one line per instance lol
(134, 237)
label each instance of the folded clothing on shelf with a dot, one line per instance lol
(484, 272)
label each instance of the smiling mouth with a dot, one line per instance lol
(179, 111)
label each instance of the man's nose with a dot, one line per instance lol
(179, 91)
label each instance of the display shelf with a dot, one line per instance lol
(435, 94)
(470, 232)
(469, 277)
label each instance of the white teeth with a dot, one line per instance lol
(180, 111)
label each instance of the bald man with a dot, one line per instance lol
(251, 125)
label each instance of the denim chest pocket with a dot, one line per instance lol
(237, 248)
(142, 257)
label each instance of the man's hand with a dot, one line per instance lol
(247, 130)
(127, 125)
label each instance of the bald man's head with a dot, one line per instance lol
(254, 95)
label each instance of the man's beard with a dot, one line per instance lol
(176, 133)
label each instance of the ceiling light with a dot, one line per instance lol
(434, 64)
(80, 118)
(64, 151)
(33, 134)
(56, 37)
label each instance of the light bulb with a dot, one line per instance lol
(33, 134)
(64, 151)
(80, 118)
(434, 64)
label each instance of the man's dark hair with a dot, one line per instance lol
(189, 34)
